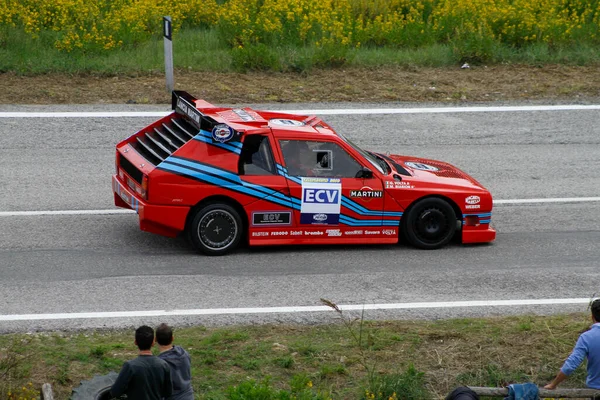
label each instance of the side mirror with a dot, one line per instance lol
(364, 173)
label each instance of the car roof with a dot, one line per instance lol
(248, 121)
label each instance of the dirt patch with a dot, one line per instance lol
(479, 83)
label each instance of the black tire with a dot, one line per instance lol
(216, 229)
(96, 388)
(430, 223)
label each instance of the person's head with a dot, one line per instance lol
(144, 337)
(595, 307)
(164, 335)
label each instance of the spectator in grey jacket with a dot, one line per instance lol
(179, 361)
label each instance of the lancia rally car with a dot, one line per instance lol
(226, 176)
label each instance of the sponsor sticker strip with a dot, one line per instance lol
(389, 232)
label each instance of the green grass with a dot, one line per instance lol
(203, 50)
(421, 358)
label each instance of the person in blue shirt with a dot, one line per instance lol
(588, 345)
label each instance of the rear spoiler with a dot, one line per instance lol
(187, 105)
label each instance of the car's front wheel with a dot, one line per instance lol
(216, 229)
(430, 223)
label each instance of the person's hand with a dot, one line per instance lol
(550, 386)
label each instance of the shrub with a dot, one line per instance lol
(256, 57)
(331, 56)
(301, 389)
(409, 385)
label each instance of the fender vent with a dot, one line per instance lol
(158, 143)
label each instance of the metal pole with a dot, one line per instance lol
(167, 33)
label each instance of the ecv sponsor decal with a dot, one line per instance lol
(271, 218)
(321, 201)
(323, 196)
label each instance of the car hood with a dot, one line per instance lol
(434, 171)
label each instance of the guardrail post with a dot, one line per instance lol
(167, 33)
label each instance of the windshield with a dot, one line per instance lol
(378, 162)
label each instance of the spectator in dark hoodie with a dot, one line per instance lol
(179, 361)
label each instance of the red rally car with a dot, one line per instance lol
(227, 175)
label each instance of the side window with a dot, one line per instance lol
(256, 157)
(323, 159)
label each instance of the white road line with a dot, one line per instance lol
(64, 212)
(85, 114)
(331, 111)
(123, 211)
(550, 200)
(297, 309)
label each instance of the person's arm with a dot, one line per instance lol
(120, 386)
(558, 379)
(571, 364)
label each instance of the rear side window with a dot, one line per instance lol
(256, 157)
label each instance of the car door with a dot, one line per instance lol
(332, 195)
(270, 216)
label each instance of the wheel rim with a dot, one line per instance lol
(217, 229)
(432, 226)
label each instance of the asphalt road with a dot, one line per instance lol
(97, 263)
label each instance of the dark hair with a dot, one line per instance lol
(595, 306)
(164, 335)
(144, 336)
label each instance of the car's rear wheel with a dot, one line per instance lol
(430, 223)
(216, 229)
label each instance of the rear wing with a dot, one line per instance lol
(185, 104)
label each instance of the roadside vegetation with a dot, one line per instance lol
(117, 37)
(349, 360)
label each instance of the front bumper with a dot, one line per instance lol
(160, 219)
(479, 234)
